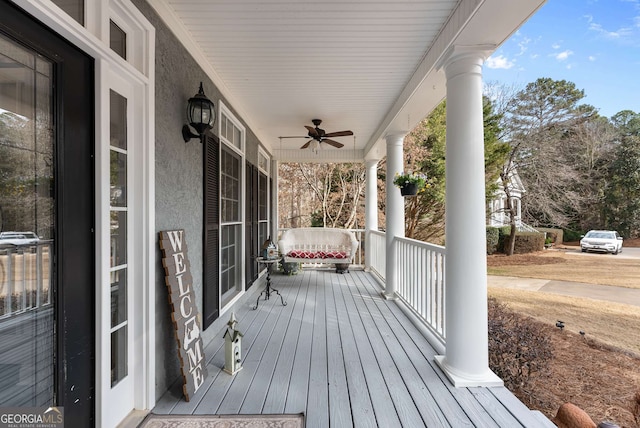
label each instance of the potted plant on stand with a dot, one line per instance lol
(411, 183)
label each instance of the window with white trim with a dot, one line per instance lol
(232, 137)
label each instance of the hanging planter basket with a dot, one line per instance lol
(409, 189)
(410, 183)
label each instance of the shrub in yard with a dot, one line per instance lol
(526, 242)
(571, 235)
(492, 240)
(518, 346)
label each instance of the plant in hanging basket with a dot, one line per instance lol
(410, 183)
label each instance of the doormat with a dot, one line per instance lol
(223, 421)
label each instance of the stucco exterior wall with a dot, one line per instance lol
(178, 176)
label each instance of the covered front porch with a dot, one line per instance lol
(344, 356)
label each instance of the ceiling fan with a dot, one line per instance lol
(317, 136)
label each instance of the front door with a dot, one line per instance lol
(47, 275)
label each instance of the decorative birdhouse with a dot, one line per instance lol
(269, 250)
(232, 347)
(272, 251)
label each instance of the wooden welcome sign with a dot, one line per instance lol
(184, 311)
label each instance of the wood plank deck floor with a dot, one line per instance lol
(344, 357)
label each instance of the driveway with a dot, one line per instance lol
(627, 252)
(629, 296)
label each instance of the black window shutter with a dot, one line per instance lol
(211, 244)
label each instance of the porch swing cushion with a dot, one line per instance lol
(318, 245)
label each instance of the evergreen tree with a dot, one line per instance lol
(622, 193)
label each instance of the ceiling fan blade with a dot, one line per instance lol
(338, 134)
(312, 131)
(296, 136)
(305, 145)
(332, 143)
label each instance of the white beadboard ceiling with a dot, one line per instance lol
(369, 66)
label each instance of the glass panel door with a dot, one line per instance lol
(27, 219)
(118, 233)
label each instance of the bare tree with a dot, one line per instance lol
(331, 194)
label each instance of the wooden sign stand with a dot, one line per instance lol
(184, 311)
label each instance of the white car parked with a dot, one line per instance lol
(601, 240)
(18, 238)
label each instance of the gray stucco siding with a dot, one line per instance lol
(178, 176)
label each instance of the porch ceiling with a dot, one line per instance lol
(369, 66)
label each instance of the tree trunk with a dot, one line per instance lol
(510, 245)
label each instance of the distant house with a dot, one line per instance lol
(498, 215)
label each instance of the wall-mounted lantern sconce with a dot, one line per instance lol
(201, 114)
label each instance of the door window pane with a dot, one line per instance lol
(118, 121)
(119, 367)
(118, 185)
(118, 297)
(118, 226)
(27, 219)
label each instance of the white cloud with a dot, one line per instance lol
(523, 45)
(592, 58)
(617, 34)
(534, 56)
(499, 61)
(555, 46)
(561, 56)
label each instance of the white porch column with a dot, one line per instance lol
(394, 220)
(370, 207)
(466, 359)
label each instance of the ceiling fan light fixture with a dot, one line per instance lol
(318, 136)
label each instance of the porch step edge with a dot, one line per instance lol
(546, 422)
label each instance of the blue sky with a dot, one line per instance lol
(592, 43)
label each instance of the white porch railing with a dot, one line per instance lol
(421, 281)
(25, 276)
(421, 278)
